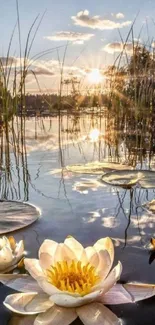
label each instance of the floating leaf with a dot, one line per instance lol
(20, 282)
(128, 293)
(127, 179)
(16, 215)
(96, 167)
(140, 291)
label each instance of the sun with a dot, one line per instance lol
(95, 76)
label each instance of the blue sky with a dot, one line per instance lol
(89, 35)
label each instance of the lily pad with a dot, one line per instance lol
(96, 167)
(16, 215)
(128, 179)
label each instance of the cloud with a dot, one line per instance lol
(53, 67)
(84, 19)
(120, 15)
(8, 61)
(14, 62)
(117, 47)
(75, 37)
(41, 71)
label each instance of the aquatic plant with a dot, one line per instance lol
(70, 281)
(10, 253)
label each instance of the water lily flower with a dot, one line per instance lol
(70, 281)
(10, 253)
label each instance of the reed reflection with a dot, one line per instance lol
(14, 183)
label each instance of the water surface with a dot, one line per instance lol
(67, 208)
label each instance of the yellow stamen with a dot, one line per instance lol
(73, 277)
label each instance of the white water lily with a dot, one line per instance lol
(10, 253)
(68, 281)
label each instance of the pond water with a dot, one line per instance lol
(75, 204)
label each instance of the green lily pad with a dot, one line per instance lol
(128, 179)
(16, 215)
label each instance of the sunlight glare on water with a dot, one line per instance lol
(94, 135)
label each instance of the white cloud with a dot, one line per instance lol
(117, 47)
(96, 22)
(46, 64)
(41, 71)
(120, 15)
(75, 37)
(7, 61)
(14, 62)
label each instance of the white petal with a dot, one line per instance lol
(110, 281)
(140, 291)
(95, 260)
(104, 266)
(27, 303)
(48, 246)
(116, 295)
(67, 300)
(10, 268)
(20, 282)
(4, 242)
(75, 246)
(45, 260)
(47, 287)
(106, 244)
(19, 251)
(83, 258)
(33, 267)
(6, 257)
(22, 320)
(97, 314)
(56, 316)
(63, 253)
(90, 251)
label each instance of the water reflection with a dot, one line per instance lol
(35, 157)
(14, 183)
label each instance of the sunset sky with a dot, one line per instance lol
(90, 27)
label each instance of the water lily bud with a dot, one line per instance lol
(10, 253)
